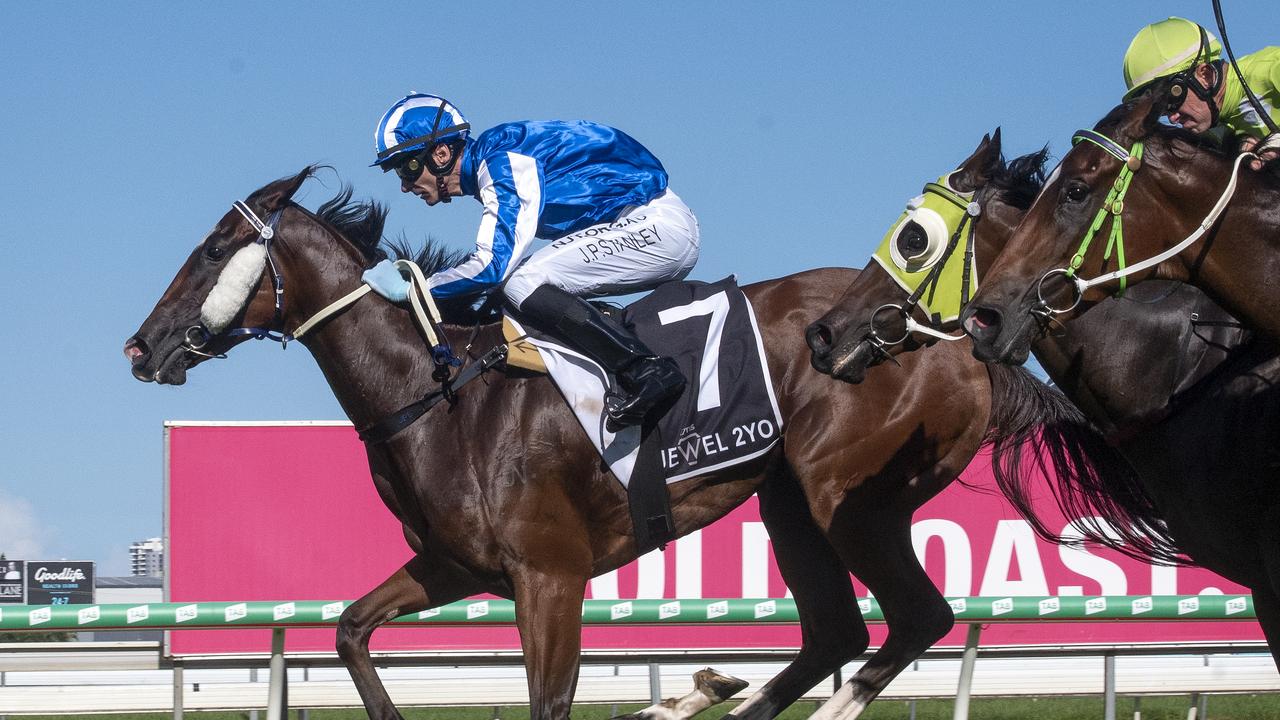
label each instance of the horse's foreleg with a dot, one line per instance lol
(832, 629)
(549, 616)
(416, 586)
(880, 554)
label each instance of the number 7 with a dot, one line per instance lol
(717, 306)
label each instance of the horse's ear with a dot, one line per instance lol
(1143, 115)
(975, 171)
(277, 194)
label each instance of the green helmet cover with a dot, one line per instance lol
(1166, 48)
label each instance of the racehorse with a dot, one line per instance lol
(1199, 426)
(499, 490)
(1174, 180)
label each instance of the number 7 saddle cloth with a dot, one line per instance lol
(728, 413)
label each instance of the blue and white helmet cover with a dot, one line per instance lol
(417, 115)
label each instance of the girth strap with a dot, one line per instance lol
(388, 427)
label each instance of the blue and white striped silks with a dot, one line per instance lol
(544, 179)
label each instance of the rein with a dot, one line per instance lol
(425, 312)
(1113, 206)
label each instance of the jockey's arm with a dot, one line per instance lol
(510, 189)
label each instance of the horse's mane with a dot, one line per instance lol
(1020, 180)
(1181, 143)
(362, 222)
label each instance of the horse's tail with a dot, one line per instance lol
(1088, 478)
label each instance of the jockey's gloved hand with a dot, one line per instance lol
(386, 280)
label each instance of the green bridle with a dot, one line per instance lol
(1112, 206)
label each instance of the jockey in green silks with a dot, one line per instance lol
(1205, 91)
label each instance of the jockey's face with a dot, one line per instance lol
(1195, 114)
(426, 186)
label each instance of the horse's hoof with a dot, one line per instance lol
(717, 685)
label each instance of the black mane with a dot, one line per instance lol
(1020, 181)
(362, 222)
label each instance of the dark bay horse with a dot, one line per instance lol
(1178, 179)
(502, 493)
(1199, 423)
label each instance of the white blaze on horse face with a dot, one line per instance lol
(235, 286)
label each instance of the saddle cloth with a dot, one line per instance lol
(728, 413)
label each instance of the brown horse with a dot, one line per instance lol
(501, 492)
(1199, 424)
(1179, 178)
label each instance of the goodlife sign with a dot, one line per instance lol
(288, 512)
(59, 582)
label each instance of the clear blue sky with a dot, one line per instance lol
(794, 130)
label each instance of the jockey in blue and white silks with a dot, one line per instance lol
(596, 193)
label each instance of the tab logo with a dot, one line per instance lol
(666, 611)
(1237, 605)
(88, 615)
(477, 609)
(1143, 605)
(766, 608)
(1049, 606)
(329, 611)
(186, 612)
(137, 614)
(864, 605)
(958, 605)
(43, 615)
(429, 613)
(1188, 605)
(620, 610)
(238, 611)
(283, 611)
(1093, 606)
(1003, 606)
(717, 609)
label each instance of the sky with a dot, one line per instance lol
(795, 131)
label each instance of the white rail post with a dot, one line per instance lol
(177, 690)
(1109, 686)
(655, 683)
(966, 672)
(278, 687)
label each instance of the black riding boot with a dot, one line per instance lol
(646, 379)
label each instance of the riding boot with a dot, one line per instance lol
(644, 379)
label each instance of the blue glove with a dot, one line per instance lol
(386, 280)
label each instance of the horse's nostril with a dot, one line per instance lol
(135, 349)
(982, 321)
(819, 337)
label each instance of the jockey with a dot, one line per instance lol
(1205, 91)
(596, 193)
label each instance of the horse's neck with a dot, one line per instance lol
(377, 360)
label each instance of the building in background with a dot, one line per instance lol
(146, 558)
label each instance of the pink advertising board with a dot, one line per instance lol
(288, 512)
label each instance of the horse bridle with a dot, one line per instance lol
(1113, 206)
(198, 336)
(874, 338)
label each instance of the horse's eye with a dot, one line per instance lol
(215, 253)
(1077, 192)
(913, 241)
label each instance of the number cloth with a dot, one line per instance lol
(728, 413)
